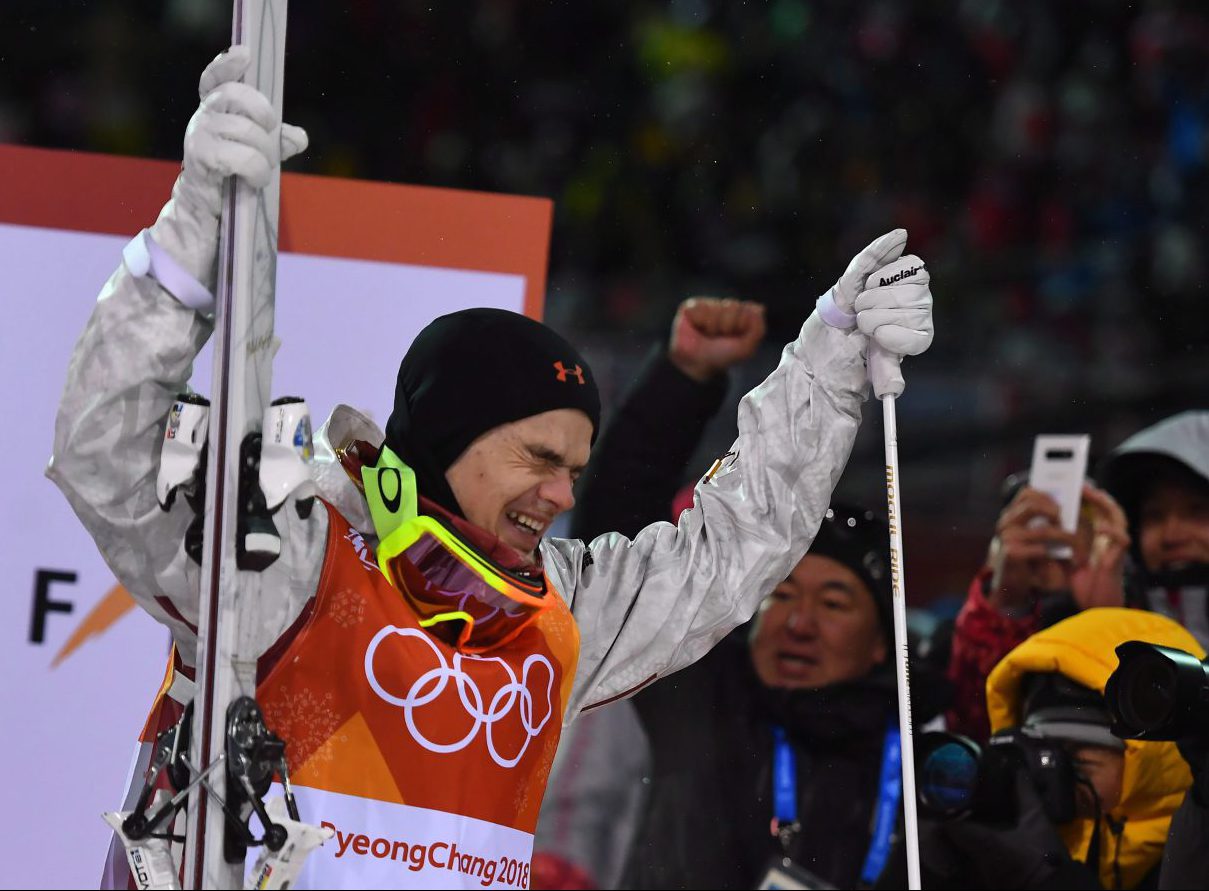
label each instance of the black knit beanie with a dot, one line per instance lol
(473, 370)
(860, 540)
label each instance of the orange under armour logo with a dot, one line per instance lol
(563, 371)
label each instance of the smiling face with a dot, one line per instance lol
(818, 627)
(1173, 526)
(515, 479)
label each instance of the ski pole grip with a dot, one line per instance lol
(885, 371)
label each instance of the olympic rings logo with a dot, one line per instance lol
(432, 683)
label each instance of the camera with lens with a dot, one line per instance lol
(956, 777)
(1158, 693)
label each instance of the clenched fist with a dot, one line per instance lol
(709, 335)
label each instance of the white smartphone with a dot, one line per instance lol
(1059, 468)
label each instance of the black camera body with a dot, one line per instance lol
(956, 777)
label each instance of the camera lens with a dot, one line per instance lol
(1158, 693)
(1147, 691)
(948, 778)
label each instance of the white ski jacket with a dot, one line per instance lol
(645, 607)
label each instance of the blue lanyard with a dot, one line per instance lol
(784, 779)
(889, 794)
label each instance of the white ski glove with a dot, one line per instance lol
(234, 132)
(895, 309)
(836, 307)
(887, 297)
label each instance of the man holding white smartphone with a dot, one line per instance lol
(1027, 583)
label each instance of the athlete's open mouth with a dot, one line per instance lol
(526, 523)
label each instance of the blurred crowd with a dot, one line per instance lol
(1049, 159)
(1061, 721)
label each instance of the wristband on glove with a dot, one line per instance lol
(143, 257)
(830, 313)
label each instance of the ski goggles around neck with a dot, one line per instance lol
(446, 580)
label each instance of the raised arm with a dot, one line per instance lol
(660, 601)
(136, 354)
(638, 464)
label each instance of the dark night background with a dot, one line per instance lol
(1049, 160)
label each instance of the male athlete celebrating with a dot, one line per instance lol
(422, 639)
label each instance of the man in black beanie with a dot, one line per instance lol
(484, 433)
(793, 723)
(421, 638)
(831, 619)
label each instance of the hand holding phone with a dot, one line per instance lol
(1058, 469)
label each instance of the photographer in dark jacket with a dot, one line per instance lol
(790, 721)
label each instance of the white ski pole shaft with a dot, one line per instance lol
(887, 385)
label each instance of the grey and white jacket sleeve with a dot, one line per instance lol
(135, 355)
(649, 606)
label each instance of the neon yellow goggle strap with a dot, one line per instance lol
(390, 491)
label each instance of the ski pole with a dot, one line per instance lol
(888, 384)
